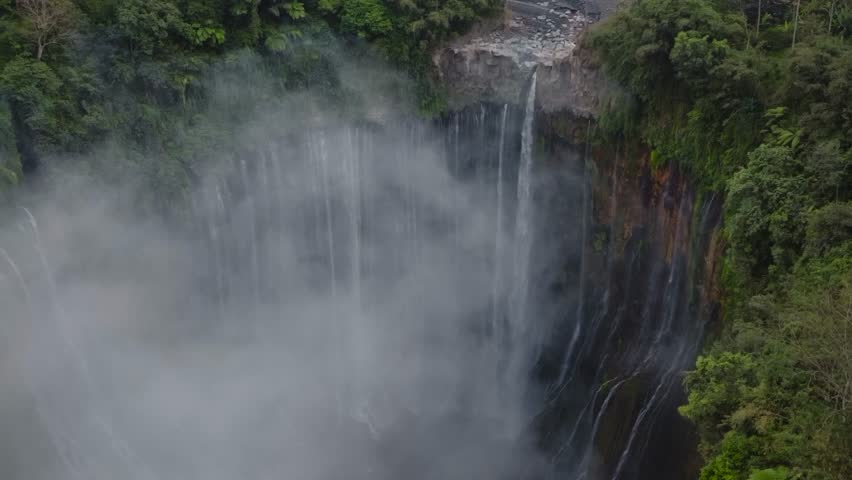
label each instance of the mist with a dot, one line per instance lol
(336, 296)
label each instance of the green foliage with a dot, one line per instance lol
(766, 209)
(243, 8)
(715, 388)
(282, 39)
(637, 43)
(693, 55)
(733, 460)
(30, 83)
(769, 125)
(697, 92)
(329, 6)
(827, 168)
(779, 132)
(134, 73)
(296, 10)
(828, 226)
(38, 97)
(406, 32)
(779, 473)
(773, 379)
(820, 77)
(201, 35)
(365, 18)
(150, 26)
(10, 165)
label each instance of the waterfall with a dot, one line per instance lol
(498, 230)
(454, 173)
(41, 411)
(216, 249)
(584, 465)
(412, 200)
(395, 294)
(633, 431)
(55, 310)
(280, 196)
(673, 285)
(523, 221)
(351, 165)
(329, 220)
(251, 214)
(578, 316)
(580, 418)
(84, 405)
(264, 195)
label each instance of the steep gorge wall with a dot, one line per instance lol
(648, 290)
(634, 286)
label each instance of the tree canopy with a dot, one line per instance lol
(76, 73)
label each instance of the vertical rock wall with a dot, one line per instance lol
(647, 273)
(627, 255)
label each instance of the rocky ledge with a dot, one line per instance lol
(495, 62)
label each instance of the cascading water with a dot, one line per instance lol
(578, 321)
(519, 331)
(345, 268)
(523, 220)
(400, 292)
(498, 229)
(70, 407)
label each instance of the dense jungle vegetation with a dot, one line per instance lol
(754, 98)
(137, 73)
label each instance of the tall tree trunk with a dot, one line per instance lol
(831, 15)
(759, 14)
(796, 23)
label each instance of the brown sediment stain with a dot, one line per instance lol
(635, 200)
(711, 288)
(675, 207)
(631, 195)
(628, 193)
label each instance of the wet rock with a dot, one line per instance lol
(495, 65)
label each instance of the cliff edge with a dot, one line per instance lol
(494, 62)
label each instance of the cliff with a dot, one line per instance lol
(494, 62)
(634, 286)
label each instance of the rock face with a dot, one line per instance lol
(635, 284)
(495, 63)
(623, 266)
(644, 292)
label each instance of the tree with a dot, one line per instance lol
(365, 18)
(50, 21)
(151, 27)
(765, 205)
(819, 329)
(796, 22)
(831, 15)
(636, 44)
(757, 30)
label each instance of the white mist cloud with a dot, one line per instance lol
(236, 345)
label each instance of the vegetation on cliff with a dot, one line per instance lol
(753, 98)
(76, 73)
